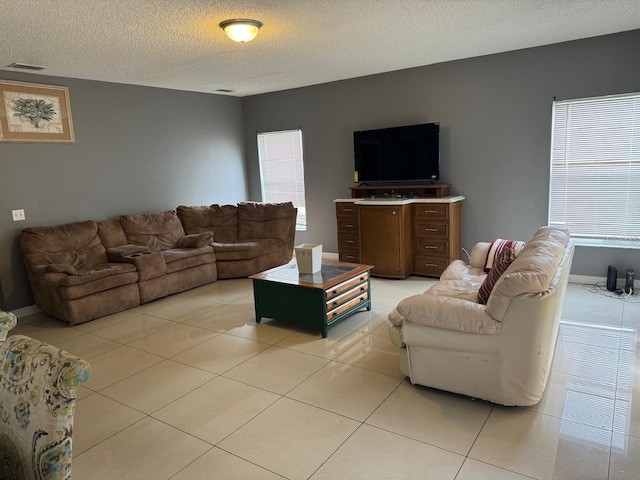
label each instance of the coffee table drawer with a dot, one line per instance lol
(363, 297)
(345, 297)
(347, 285)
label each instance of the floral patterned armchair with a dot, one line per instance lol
(37, 401)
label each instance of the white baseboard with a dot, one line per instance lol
(586, 279)
(602, 281)
(25, 311)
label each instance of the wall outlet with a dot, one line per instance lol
(18, 215)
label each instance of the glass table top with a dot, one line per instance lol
(328, 271)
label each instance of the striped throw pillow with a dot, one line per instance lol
(501, 260)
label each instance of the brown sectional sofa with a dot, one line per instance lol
(86, 270)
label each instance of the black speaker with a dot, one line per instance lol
(629, 279)
(612, 277)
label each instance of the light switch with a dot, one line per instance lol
(18, 215)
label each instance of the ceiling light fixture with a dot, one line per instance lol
(241, 29)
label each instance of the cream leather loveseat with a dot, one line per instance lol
(500, 351)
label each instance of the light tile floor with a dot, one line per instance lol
(190, 387)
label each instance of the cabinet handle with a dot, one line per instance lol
(347, 210)
(433, 265)
(430, 247)
(430, 211)
(430, 229)
(393, 213)
(350, 256)
(349, 241)
(335, 304)
(349, 225)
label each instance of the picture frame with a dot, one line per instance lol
(31, 112)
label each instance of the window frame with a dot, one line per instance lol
(297, 193)
(589, 148)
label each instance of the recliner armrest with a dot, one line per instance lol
(196, 240)
(149, 264)
(55, 268)
(478, 256)
(448, 312)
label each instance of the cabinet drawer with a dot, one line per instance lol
(432, 229)
(331, 314)
(428, 246)
(431, 266)
(348, 240)
(438, 211)
(346, 209)
(348, 225)
(353, 284)
(349, 255)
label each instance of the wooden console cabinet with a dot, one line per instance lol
(400, 236)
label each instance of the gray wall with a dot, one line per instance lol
(495, 119)
(137, 149)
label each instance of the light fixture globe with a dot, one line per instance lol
(241, 29)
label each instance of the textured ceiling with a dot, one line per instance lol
(177, 43)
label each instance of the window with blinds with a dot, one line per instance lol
(282, 170)
(595, 169)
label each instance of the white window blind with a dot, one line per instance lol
(595, 168)
(282, 170)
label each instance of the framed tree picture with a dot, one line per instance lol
(34, 113)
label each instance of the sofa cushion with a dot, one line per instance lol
(459, 270)
(74, 244)
(182, 258)
(156, 230)
(531, 272)
(265, 220)
(222, 220)
(243, 250)
(464, 289)
(111, 233)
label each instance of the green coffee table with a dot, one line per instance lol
(317, 300)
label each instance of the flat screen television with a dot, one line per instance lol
(406, 154)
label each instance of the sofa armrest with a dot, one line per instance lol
(150, 265)
(121, 253)
(395, 318)
(478, 256)
(196, 240)
(448, 312)
(55, 268)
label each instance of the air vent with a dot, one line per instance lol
(26, 66)
(224, 90)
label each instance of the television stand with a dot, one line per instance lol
(435, 190)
